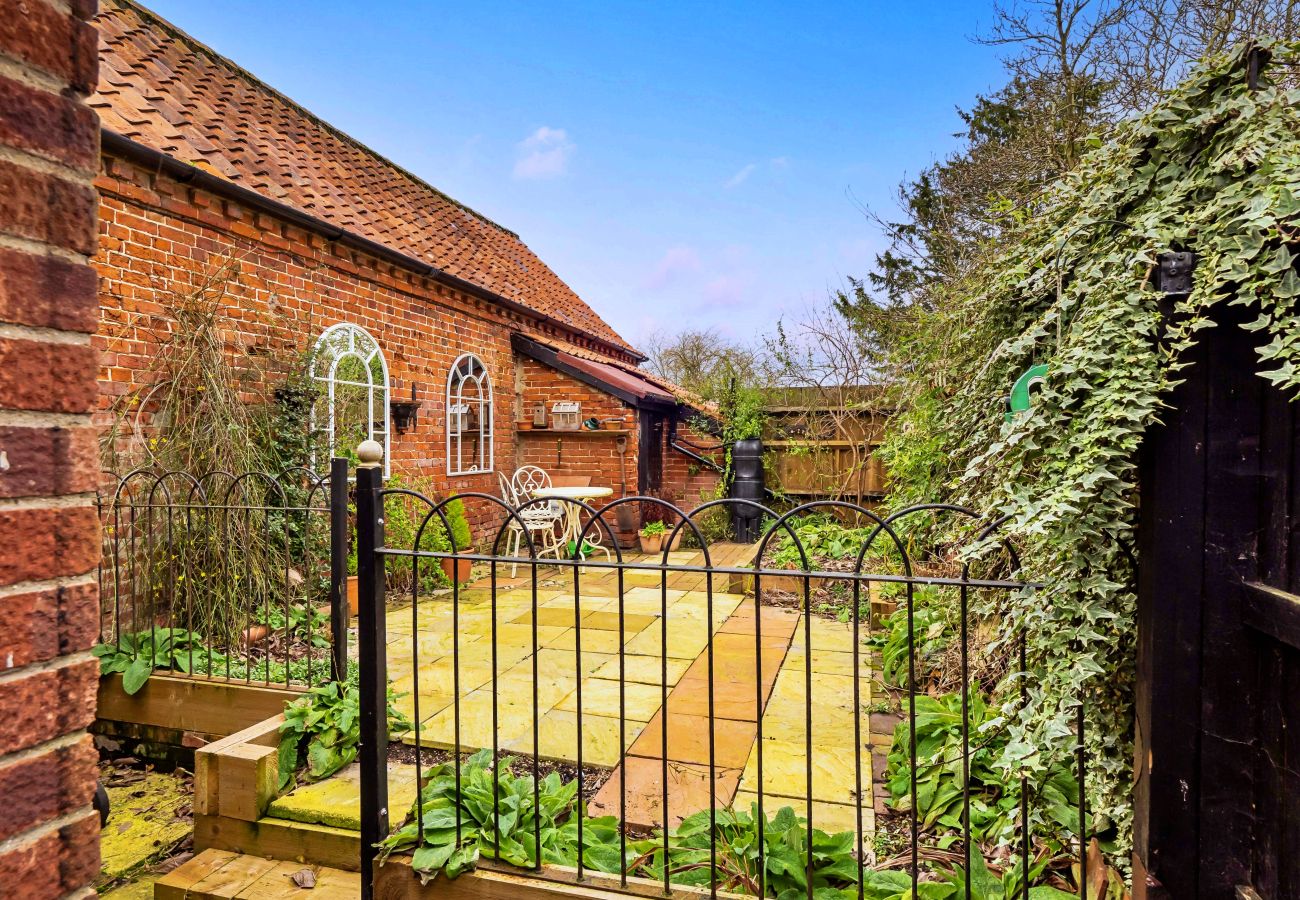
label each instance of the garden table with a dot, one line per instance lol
(573, 512)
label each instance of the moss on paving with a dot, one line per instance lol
(148, 818)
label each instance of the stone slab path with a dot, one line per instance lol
(623, 680)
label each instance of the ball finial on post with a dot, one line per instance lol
(370, 454)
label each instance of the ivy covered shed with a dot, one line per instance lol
(1164, 433)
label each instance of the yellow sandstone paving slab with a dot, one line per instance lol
(643, 800)
(514, 719)
(588, 602)
(609, 620)
(832, 662)
(336, 801)
(645, 669)
(442, 675)
(601, 697)
(683, 643)
(560, 663)
(559, 738)
(517, 683)
(784, 772)
(431, 701)
(827, 636)
(688, 739)
(594, 640)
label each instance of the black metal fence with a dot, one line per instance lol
(238, 577)
(1040, 822)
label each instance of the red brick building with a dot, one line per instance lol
(48, 462)
(202, 163)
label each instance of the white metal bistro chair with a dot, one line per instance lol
(539, 520)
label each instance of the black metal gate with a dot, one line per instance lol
(711, 862)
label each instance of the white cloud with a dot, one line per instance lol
(739, 178)
(776, 163)
(544, 154)
(676, 262)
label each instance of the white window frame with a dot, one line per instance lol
(458, 404)
(342, 341)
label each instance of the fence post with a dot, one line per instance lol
(371, 650)
(339, 567)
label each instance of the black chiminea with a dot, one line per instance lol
(747, 484)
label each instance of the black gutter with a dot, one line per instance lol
(121, 145)
(549, 356)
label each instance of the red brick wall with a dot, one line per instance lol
(49, 835)
(158, 235)
(592, 453)
(685, 481)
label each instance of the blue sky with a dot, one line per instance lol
(678, 164)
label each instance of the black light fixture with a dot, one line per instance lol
(404, 413)
(1176, 267)
(1173, 279)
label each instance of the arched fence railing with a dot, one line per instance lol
(716, 720)
(228, 576)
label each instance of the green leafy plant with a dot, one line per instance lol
(984, 885)
(137, 655)
(328, 718)
(403, 516)
(304, 623)
(784, 851)
(650, 529)
(934, 628)
(512, 837)
(995, 793)
(824, 538)
(461, 538)
(499, 818)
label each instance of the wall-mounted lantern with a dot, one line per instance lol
(1176, 267)
(404, 413)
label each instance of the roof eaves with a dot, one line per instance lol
(549, 356)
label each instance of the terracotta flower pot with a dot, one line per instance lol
(457, 569)
(354, 595)
(256, 634)
(652, 543)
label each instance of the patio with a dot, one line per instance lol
(580, 660)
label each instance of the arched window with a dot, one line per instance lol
(349, 369)
(469, 417)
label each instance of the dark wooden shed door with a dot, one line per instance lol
(1218, 767)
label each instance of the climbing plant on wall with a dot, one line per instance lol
(1213, 168)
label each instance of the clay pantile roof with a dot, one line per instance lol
(163, 89)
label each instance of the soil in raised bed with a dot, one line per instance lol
(593, 777)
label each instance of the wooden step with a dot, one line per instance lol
(220, 875)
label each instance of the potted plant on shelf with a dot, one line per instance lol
(460, 538)
(652, 537)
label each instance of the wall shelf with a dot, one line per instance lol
(581, 432)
